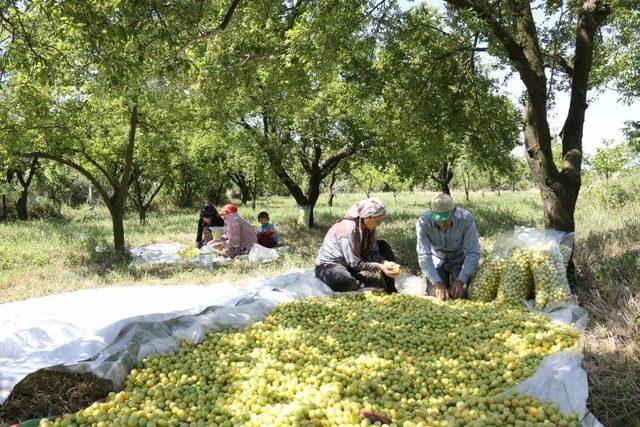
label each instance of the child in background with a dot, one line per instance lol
(268, 235)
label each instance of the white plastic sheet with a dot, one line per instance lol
(167, 253)
(116, 327)
(106, 331)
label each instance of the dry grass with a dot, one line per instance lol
(608, 267)
(44, 257)
(49, 393)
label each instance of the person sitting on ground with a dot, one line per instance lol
(209, 217)
(268, 234)
(448, 248)
(240, 236)
(351, 246)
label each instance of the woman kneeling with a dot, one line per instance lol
(350, 247)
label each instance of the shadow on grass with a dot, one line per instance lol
(49, 393)
(608, 273)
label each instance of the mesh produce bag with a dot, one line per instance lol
(550, 255)
(484, 286)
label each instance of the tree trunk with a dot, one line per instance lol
(21, 205)
(559, 193)
(466, 182)
(254, 192)
(331, 184)
(142, 215)
(240, 180)
(314, 166)
(313, 193)
(559, 188)
(117, 221)
(445, 176)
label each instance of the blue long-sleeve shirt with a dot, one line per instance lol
(436, 246)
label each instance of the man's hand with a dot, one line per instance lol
(389, 270)
(441, 291)
(457, 289)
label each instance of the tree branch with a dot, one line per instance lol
(515, 50)
(101, 168)
(302, 156)
(32, 171)
(94, 181)
(332, 162)
(214, 31)
(562, 62)
(592, 15)
(156, 191)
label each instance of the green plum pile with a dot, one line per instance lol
(549, 276)
(566, 254)
(516, 283)
(188, 252)
(485, 284)
(410, 361)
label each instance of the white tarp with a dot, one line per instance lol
(106, 331)
(167, 253)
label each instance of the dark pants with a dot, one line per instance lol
(343, 279)
(448, 272)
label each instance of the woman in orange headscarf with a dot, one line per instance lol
(351, 246)
(240, 235)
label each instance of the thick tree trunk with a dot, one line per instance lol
(21, 205)
(313, 193)
(559, 194)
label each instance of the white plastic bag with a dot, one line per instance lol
(410, 285)
(259, 253)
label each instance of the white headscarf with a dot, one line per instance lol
(367, 208)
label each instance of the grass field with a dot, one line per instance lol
(42, 257)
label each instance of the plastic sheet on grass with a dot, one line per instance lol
(107, 331)
(168, 253)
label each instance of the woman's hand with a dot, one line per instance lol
(389, 270)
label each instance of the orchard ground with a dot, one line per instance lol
(42, 257)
